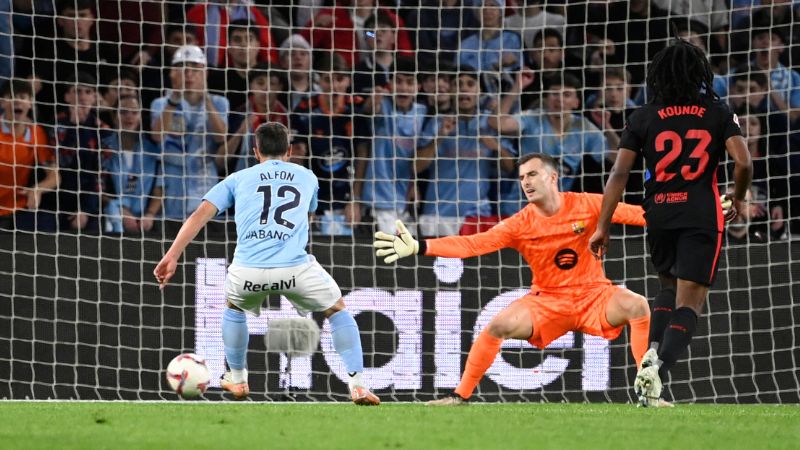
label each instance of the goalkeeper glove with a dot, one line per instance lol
(394, 247)
(728, 211)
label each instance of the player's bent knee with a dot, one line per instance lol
(338, 306)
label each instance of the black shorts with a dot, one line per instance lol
(687, 253)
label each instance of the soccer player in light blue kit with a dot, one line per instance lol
(273, 200)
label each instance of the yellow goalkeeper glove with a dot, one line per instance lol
(728, 211)
(394, 247)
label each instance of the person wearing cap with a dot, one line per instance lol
(464, 163)
(491, 49)
(295, 57)
(191, 126)
(79, 134)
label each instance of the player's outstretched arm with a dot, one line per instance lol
(169, 263)
(394, 247)
(611, 197)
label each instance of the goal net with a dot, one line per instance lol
(113, 129)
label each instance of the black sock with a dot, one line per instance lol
(663, 305)
(677, 337)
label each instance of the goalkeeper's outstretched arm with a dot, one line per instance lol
(394, 247)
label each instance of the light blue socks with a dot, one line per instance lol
(235, 338)
(346, 341)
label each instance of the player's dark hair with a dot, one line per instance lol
(16, 87)
(680, 74)
(272, 139)
(546, 159)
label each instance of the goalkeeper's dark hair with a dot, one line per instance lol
(546, 160)
(680, 74)
(272, 139)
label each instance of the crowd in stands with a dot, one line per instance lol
(118, 116)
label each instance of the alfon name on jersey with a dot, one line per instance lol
(267, 234)
(277, 175)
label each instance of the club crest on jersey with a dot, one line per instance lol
(579, 227)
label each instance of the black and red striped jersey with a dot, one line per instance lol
(682, 146)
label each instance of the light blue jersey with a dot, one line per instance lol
(188, 154)
(272, 200)
(463, 172)
(398, 135)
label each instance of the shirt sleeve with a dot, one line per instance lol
(502, 235)
(731, 124)
(596, 143)
(156, 108)
(221, 195)
(629, 215)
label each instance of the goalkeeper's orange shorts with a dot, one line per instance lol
(555, 315)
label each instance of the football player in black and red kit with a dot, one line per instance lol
(683, 133)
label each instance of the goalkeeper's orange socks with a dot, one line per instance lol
(663, 306)
(639, 332)
(481, 356)
(676, 338)
(235, 338)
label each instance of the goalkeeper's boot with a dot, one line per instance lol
(649, 359)
(648, 386)
(451, 399)
(239, 391)
(363, 397)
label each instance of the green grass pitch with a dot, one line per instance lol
(205, 425)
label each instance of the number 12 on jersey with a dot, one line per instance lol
(283, 192)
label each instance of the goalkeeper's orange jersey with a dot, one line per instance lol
(556, 247)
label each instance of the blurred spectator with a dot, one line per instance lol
(749, 91)
(211, 20)
(263, 105)
(437, 88)
(491, 50)
(532, 18)
(712, 14)
(609, 110)
(133, 171)
(373, 69)
(440, 27)
(6, 42)
(324, 124)
(296, 60)
(156, 74)
(127, 28)
(766, 187)
(24, 152)
(462, 167)
(557, 130)
(74, 50)
(190, 125)
(400, 129)
(639, 28)
(341, 28)
(768, 45)
(243, 49)
(79, 133)
(124, 83)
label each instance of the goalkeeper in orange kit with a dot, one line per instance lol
(569, 291)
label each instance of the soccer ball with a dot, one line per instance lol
(188, 375)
